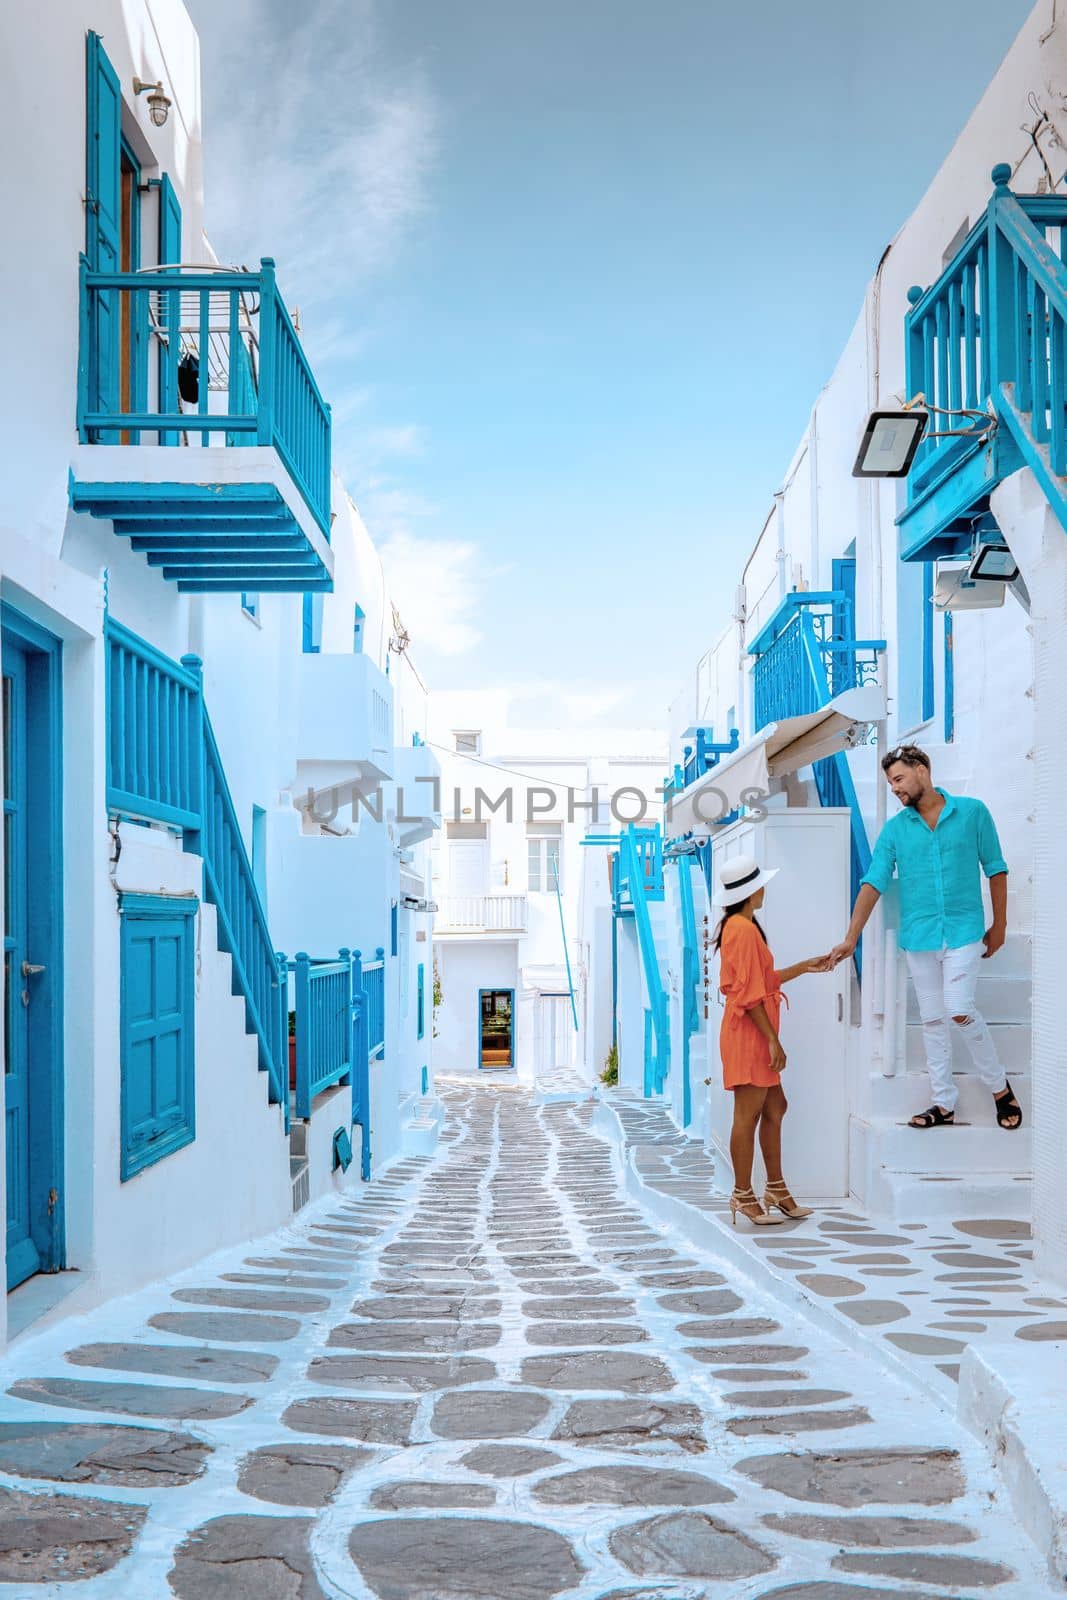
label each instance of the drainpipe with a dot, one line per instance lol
(884, 987)
(813, 479)
(780, 553)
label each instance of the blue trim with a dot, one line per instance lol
(342, 1150)
(394, 928)
(950, 681)
(41, 664)
(420, 1003)
(311, 624)
(358, 623)
(157, 1050)
(497, 1066)
(259, 853)
(249, 600)
(783, 614)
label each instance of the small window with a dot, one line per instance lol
(468, 742)
(543, 857)
(312, 632)
(357, 631)
(250, 606)
(157, 1019)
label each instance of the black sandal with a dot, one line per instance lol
(934, 1118)
(1009, 1111)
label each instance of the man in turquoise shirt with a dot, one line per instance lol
(939, 844)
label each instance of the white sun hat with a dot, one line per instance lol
(739, 877)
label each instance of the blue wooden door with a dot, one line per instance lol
(22, 1255)
(31, 750)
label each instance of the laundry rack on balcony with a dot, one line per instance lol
(206, 330)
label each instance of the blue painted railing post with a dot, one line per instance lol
(268, 327)
(303, 1031)
(282, 1023)
(344, 955)
(361, 1064)
(194, 753)
(1002, 363)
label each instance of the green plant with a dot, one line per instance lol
(292, 1024)
(610, 1074)
(437, 997)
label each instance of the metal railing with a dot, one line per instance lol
(163, 765)
(811, 660)
(324, 1026)
(690, 977)
(374, 989)
(632, 868)
(198, 353)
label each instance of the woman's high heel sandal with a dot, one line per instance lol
(740, 1199)
(775, 1198)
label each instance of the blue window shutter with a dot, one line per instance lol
(421, 994)
(103, 140)
(157, 1048)
(170, 224)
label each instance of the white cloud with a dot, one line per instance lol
(438, 586)
(317, 148)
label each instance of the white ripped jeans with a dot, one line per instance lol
(944, 987)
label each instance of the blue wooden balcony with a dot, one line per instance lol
(204, 438)
(989, 337)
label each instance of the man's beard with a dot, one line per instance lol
(908, 799)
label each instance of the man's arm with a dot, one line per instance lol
(866, 901)
(996, 870)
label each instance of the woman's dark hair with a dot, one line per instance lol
(732, 911)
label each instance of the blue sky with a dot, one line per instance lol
(571, 276)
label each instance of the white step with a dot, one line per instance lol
(911, 1198)
(897, 1099)
(962, 1151)
(1012, 1041)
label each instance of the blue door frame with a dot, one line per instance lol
(498, 1066)
(33, 944)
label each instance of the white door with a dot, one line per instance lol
(468, 863)
(804, 914)
(556, 1034)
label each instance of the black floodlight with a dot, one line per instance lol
(993, 563)
(889, 443)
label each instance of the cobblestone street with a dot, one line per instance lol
(489, 1376)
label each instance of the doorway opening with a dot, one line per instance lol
(496, 1043)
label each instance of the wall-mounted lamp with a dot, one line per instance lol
(158, 102)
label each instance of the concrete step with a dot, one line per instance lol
(1003, 992)
(911, 1198)
(300, 1177)
(1012, 1041)
(964, 1150)
(897, 1099)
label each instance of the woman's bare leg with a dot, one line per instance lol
(770, 1132)
(748, 1107)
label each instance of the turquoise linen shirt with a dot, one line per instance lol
(940, 885)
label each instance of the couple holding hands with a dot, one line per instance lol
(936, 845)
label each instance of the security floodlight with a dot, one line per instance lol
(993, 563)
(889, 443)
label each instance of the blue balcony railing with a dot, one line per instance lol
(324, 1026)
(163, 765)
(374, 987)
(990, 336)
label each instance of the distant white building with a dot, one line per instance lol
(196, 638)
(520, 897)
(856, 592)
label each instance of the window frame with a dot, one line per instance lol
(543, 834)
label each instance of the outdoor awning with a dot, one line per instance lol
(778, 749)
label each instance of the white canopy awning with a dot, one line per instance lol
(778, 749)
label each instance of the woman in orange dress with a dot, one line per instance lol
(752, 1056)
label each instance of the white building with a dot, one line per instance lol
(196, 633)
(522, 901)
(838, 594)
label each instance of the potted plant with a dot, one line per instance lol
(610, 1075)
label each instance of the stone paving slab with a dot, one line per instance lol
(511, 1383)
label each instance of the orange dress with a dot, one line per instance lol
(746, 976)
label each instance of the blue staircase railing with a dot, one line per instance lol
(368, 1040)
(324, 1033)
(640, 870)
(253, 383)
(690, 978)
(374, 987)
(163, 764)
(990, 333)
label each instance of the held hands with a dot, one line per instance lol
(841, 952)
(819, 963)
